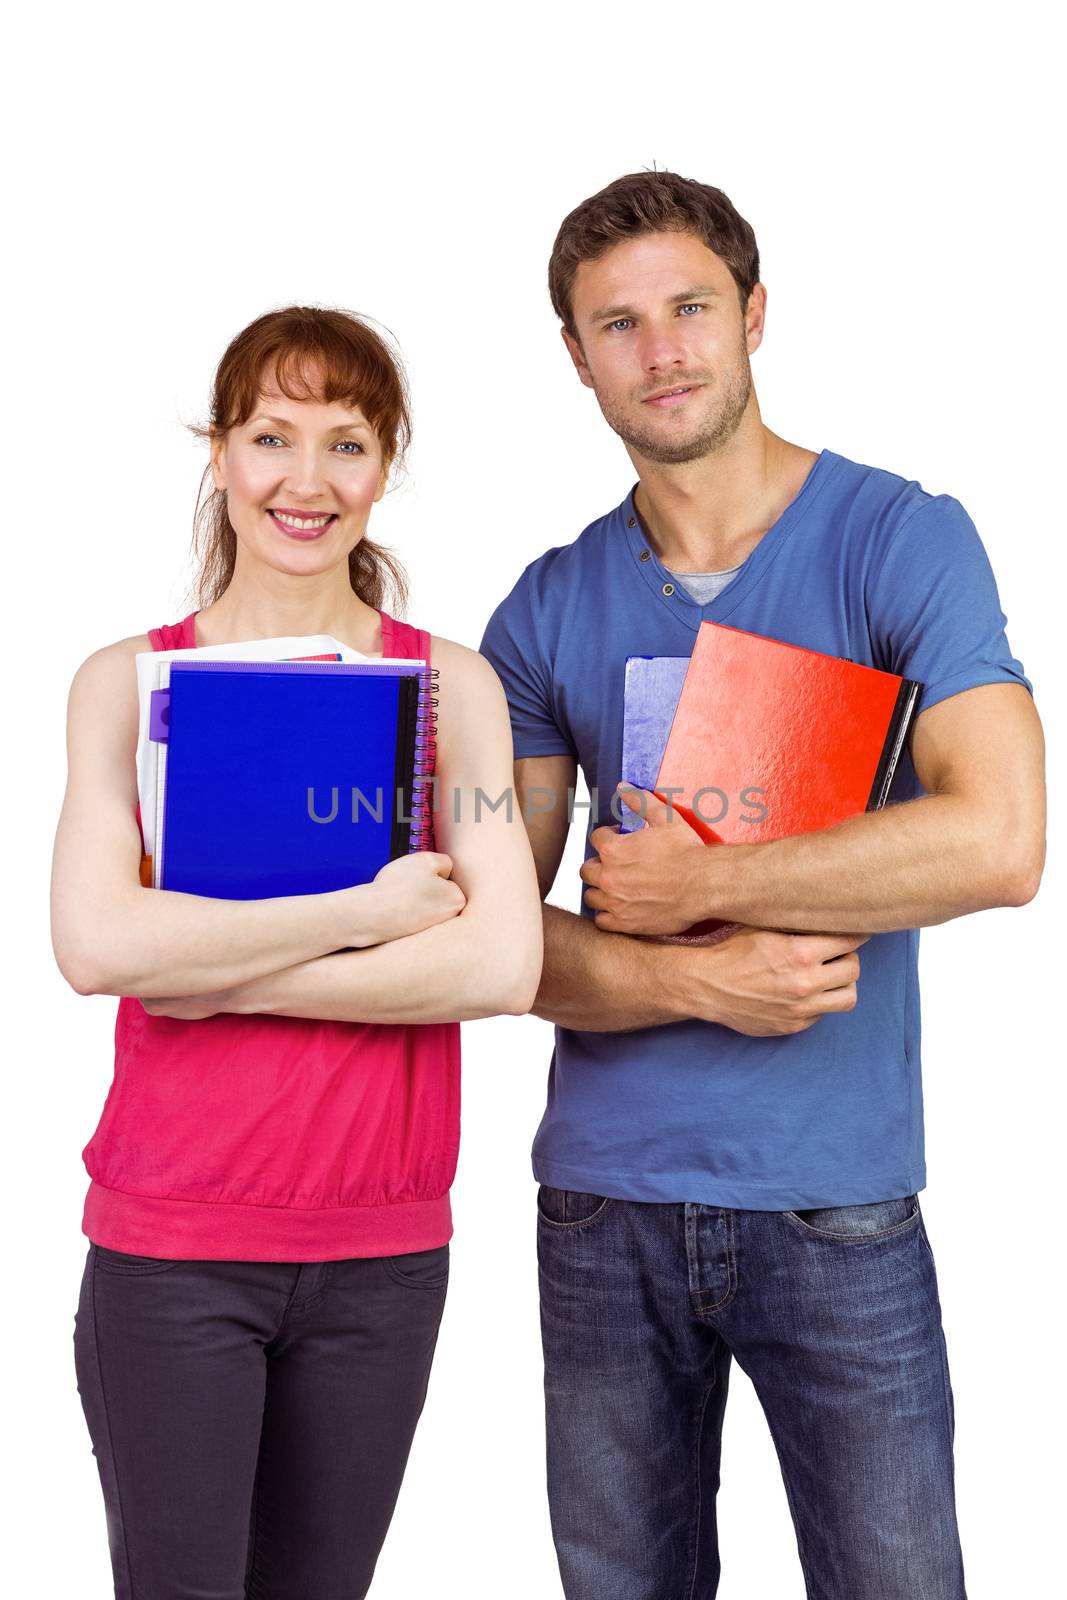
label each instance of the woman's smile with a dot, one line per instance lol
(297, 525)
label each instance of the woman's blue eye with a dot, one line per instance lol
(357, 448)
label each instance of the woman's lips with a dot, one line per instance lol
(305, 533)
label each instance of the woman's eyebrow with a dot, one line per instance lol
(287, 422)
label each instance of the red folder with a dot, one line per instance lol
(771, 740)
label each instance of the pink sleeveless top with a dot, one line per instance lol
(264, 1138)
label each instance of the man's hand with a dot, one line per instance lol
(764, 983)
(644, 882)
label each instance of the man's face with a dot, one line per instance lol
(664, 344)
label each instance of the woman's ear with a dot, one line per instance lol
(218, 475)
(383, 480)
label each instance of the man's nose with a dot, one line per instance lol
(662, 347)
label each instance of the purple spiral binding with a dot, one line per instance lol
(422, 837)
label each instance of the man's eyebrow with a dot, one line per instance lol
(612, 313)
(286, 422)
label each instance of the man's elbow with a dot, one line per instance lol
(1022, 882)
(1020, 863)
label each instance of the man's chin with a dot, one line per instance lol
(669, 452)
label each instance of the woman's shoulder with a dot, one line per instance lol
(126, 649)
(116, 655)
(472, 713)
(110, 671)
(460, 663)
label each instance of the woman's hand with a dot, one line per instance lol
(412, 893)
(408, 895)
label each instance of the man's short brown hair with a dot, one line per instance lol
(650, 202)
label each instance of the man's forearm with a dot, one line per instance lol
(910, 866)
(603, 982)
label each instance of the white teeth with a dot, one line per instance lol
(302, 522)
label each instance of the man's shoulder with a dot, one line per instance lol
(880, 498)
(551, 575)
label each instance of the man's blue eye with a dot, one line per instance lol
(691, 308)
(619, 321)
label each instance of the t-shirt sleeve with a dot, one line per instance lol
(934, 608)
(515, 646)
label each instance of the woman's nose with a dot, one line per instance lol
(306, 475)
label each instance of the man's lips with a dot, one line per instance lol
(673, 396)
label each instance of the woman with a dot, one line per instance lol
(269, 1209)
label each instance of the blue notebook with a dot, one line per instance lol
(650, 699)
(291, 777)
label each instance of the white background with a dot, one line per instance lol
(172, 173)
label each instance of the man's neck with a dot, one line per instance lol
(708, 515)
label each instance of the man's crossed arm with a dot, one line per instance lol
(974, 840)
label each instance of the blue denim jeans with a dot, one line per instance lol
(834, 1316)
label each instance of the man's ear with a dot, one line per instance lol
(577, 355)
(755, 317)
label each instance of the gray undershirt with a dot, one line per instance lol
(704, 586)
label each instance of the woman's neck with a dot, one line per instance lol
(234, 617)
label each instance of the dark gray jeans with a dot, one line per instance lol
(251, 1420)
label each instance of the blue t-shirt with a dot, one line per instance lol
(862, 564)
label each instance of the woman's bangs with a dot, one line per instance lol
(330, 370)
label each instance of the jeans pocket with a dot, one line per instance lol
(420, 1269)
(568, 1208)
(872, 1221)
(131, 1266)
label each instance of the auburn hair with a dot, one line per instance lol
(311, 353)
(650, 202)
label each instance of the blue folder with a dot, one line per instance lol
(288, 778)
(650, 699)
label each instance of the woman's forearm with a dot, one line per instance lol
(156, 942)
(454, 972)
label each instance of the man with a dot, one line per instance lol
(732, 1149)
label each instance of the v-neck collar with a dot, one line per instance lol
(671, 594)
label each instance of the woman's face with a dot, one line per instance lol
(300, 478)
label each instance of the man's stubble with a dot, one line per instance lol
(711, 434)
